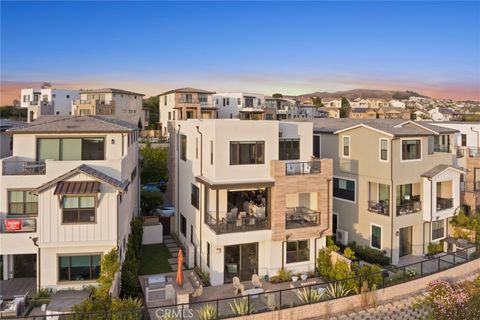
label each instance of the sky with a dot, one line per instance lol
(266, 47)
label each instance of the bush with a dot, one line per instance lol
(324, 263)
(434, 248)
(461, 220)
(370, 273)
(349, 253)
(447, 301)
(153, 167)
(150, 201)
(132, 257)
(370, 255)
(341, 271)
(284, 275)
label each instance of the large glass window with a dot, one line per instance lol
(22, 202)
(289, 149)
(376, 237)
(78, 209)
(411, 149)
(71, 149)
(78, 268)
(298, 251)
(344, 189)
(183, 147)
(202, 97)
(438, 229)
(194, 196)
(247, 152)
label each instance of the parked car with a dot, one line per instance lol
(165, 211)
(151, 187)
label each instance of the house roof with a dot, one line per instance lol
(76, 124)
(393, 127)
(435, 171)
(446, 111)
(394, 109)
(186, 90)
(89, 171)
(360, 110)
(77, 187)
(110, 90)
(6, 124)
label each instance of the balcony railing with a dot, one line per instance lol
(301, 217)
(444, 203)
(408, 207)
(441, 148)
(23, 168)
(18, 225)
(301, 168)
(474, 152)
(380, 207)
(240, 223)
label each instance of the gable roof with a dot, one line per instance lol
(111, 90)
(89, 171)
(435, 171)
(186, 90)
(76, 124)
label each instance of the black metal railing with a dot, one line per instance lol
(17, 167)
(301, 217)
(408, 207)
(18, 225)
(381, 207)
(301, 168)
(444, 203)
(238, 223)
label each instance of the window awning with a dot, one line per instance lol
(77, 187)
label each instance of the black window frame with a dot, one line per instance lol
(23, 204)
(463, 140)
(94, 274)
(384, 152)
(92, 211)
(209, 249)
(405, 152)
(346, 148)
(374, 242)
(194, 197)
(235, 149)
(287, 149)
(344, 194)
(183, 225)
(436, 231)
(183, 147)
(294, 256)
(85, 156)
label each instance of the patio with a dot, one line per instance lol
(17, 287)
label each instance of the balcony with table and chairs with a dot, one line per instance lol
(379, 198)
(408, 199)
(301, 217)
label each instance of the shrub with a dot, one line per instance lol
(132, 256)
(349, 253)
(284, 275)
(204, 275)
(370, 255)
(371, 274)
(341, 271)
(461, 220)
(434, 248)
(324, 262)
(126, 309)
(240, 307)
(336, 290)
(149, 201)
(447, 301)
(207, 312)
(308, 295)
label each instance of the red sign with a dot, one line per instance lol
(13, 224)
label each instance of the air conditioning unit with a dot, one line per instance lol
(342, 236)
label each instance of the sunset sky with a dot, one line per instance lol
(293, 48)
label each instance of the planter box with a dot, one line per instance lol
(459, 232)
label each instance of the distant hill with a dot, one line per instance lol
(362, 93)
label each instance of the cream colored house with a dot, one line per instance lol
(395, 185)
(248, 197)
(67, 196)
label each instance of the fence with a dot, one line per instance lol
(262, 302)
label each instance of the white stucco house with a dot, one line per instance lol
(67, 196)
(47, 101)
(230, 104)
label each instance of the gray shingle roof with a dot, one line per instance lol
(76, 124)
(111, 90)
(389, 126)
(6, 124)
(186, 90)
(437, 170)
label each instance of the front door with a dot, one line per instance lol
(240, 261)
(24, 265)
(405, 241)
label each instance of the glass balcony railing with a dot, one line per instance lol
(444, 203)
(408, 207)
(301, 168)
(240, 223)
(22, 168)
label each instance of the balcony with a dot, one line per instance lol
(444, 203)
(301, 217)
(408, 207)
(23, 168)
(380, 207)
(474, 152)
(301, 168)
(441, 148)
(231, 224)
(18, 225)
(348, 165)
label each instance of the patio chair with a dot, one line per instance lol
(239, 288)
(256, 281)
(197, 292)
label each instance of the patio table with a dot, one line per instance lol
(253, 292)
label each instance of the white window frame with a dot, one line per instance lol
(349, 147)
(401, 149)
(380, 150)
(356, 193)
(381, 236)
(444, 231)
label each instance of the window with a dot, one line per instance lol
(191, 234)
(183, 147)
(384, 149)
(202, 97)
(228, 101)
(45, 97)
(211, 151)
(78, 268)
(194, 196)
(411, 149)
(22, 202)
(208, 254)
(316, 146)
(298, 251)
(183, 225)
(71, 149)
(68, 96)
(464, 140)
(334, 223)
(376, 237)
(344, 189)
(244, 152)
(438, 229)
(239, 101)
(346, 146)
(26, 98)
(289, 149)
(196, 148)
(476, 179)
(165, 101)
(190, 115)
(133, 175)
(186, 98)
(441, 143)
(173, 115)
(78, 209)
(169, 116)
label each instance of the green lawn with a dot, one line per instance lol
(154, 259)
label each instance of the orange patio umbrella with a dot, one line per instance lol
(179, 268)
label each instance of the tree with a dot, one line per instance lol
(345, 109)
(152, 104)
(277, 95)
(154, 165)
(150, 201)
(14, 113)
(46, 85)
(317, 101)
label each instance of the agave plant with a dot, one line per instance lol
(309, 295)
(207, 312)
(240, 307)
(336, 290)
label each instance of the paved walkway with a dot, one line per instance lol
(173, 248)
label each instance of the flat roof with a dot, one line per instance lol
(110, 90)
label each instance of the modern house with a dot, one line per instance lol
(444, 114)
(309, 111)
(363, 113)
(249, 197)
(284, 108)
(47, 101)
(67, 196)
(185, 103)
(393, 113)
(231, 105)
(6, 141)
(395, 183)
(111, 102)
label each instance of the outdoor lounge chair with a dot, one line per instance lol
(256, 281)
(239, 288)
(198, 291)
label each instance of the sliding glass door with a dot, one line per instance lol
(240, 261)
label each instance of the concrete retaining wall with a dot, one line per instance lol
(153, 233)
